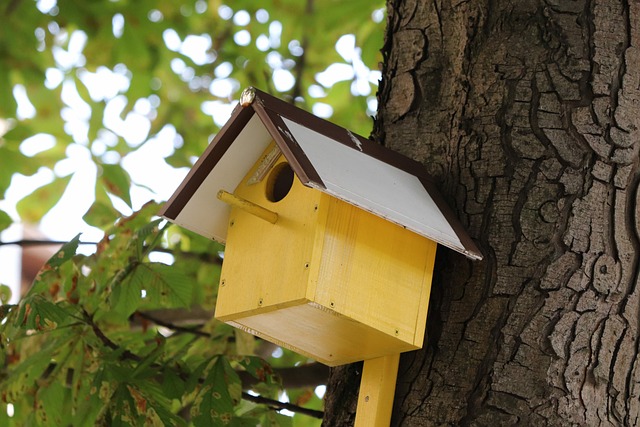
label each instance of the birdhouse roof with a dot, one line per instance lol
(324, 156)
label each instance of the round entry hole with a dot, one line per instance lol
(280, 182)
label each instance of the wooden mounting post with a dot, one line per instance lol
(377, 389)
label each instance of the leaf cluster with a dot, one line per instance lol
(115, 337)
(76, 350)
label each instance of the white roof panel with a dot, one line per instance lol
(374, 185)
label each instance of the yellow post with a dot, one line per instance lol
(377, 389)
(247, 206)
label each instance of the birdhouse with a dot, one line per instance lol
(330, 238)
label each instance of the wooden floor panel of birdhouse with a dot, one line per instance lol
(321, 334)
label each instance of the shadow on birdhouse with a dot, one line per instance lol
(330, 238)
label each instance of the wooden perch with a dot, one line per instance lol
(247, 206)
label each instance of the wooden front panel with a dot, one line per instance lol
(267, 265)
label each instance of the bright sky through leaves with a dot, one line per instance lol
(147, 166)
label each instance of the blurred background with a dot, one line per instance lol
(104, 107)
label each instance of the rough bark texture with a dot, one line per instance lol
(528, 115)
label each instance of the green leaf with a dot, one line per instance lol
(66, 252)
(194, 379)
(258, 368)
(8, 105)
(126, 297)
(172, 385)
(89, 391)
(123, 414)
(144, 369)
(116, 181)
(166, 285)
(97, 118)
(163, 285)
(141, 235)
(13, 161)
(109, 283)
(271, 418)
(158, 405)
(5, 309)
(18, 132)
(101, 215)
(37, 313)
(213, 406)
(33, 207)
(5, 220)
(26, 376)
(52, 403)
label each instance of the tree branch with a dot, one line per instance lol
(126, 354)
(279, 406)
(309, 375)
(43, 242)
(182, 316)
(11, 7)
(192, 330)
(40, 242)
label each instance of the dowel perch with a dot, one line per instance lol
(248, 206)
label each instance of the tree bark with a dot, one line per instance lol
(527, 113)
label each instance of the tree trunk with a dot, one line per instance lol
(528, 115)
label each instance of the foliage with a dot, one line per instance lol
(95, 340)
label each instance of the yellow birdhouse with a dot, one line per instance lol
(330, 238)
